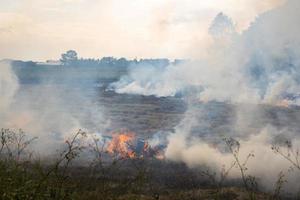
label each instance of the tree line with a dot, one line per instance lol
(71, 59)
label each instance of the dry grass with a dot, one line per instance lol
(23, 177)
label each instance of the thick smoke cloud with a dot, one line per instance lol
(149, 80)
(261, 66)
(50, 111)
(249, 71)
(8, 86)
(211, 152)
(258, 66)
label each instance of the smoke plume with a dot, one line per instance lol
(257, 73)
(8, 86)
(50, 111)
(259, 65)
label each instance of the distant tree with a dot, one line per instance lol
(108, 61)
(122, 62)
(69, 57)
(221, 26)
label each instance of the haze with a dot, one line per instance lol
(41, 30)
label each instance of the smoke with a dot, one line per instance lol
(49, 110)
(258, 66)
(158, 81)
(253, 73)
(198, 141)
(8, 86)
(265, 165)
(240, 74)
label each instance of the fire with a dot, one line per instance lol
(160, 156)
(125, 145)
(284, 103)
(121, 145)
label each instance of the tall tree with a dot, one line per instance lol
(69, 57)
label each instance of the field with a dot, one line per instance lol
(149, 100)
(87, 167)
(64, 176)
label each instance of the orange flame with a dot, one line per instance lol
(120, 145)
(160, 156)
(125, 145)
(284, 103)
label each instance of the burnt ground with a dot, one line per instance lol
(83, 93)
(100, 110)
(142, 114)
(147, 115)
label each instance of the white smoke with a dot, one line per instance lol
(149, 80)
(8, 86)
(265, 165)
(258, 66)
(48, 111)
(261, 65)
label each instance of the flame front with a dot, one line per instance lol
(120, 145)
(284, 103)
(125, 145)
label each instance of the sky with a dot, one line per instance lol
(41, 30)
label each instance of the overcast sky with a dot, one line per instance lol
(43, 29)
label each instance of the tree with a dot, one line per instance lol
(221, 26)
(69, 57)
